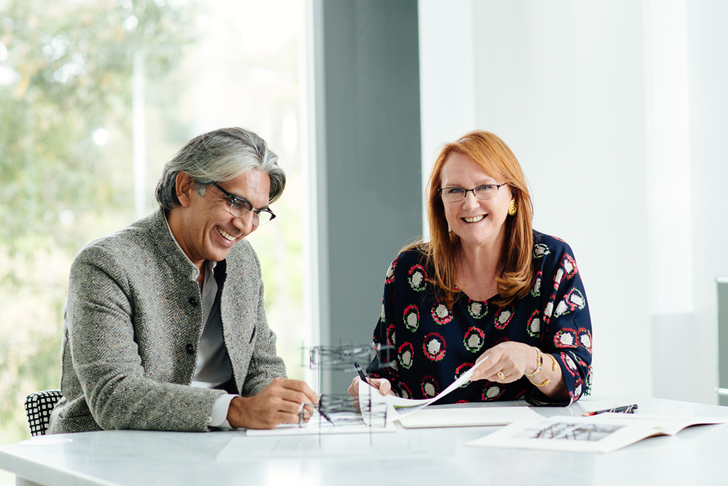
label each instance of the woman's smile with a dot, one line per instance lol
(475, 221)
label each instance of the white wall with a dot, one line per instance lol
(447, 106)
(669, 202)
(708, 82)
(603, 103)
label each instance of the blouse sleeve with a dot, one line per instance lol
(565, 320)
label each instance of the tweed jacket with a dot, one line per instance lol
(132, 326)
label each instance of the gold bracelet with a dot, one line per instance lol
(554, 365)
(539, 364)
(545, 382)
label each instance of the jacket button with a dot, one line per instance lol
(192, 301)
(190, 349)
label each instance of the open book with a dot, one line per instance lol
(600, 433)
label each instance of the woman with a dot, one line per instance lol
(487, 289)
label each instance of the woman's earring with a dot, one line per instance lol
(512, 207)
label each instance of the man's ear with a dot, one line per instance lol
(184, 185)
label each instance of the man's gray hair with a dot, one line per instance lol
(220, 156)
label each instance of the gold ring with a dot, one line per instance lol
(500, 375)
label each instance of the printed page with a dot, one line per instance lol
(667, 424)
(574, 434)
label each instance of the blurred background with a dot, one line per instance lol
(95, 96)
(615, 108)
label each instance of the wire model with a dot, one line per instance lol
(342, 410)
(344, 356)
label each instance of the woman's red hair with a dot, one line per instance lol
(516, 261)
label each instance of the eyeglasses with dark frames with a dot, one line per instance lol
(239, 207)
(484, 192)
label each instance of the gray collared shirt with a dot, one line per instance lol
(213, 363)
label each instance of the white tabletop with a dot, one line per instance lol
(697, 455)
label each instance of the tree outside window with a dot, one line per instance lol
(70, 74)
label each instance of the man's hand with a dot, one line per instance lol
(278, 403)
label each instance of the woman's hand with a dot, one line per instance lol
(506, 362)
(509, 361)
(381, 384)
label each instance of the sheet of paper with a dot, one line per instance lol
(467, 416)
(352, 424)
(601, 433)
(371, 400)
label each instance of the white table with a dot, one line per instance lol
(697, 455)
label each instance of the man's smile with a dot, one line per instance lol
(226, 235)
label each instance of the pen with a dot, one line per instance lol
(623, 409)
(318, 406)
(325, 415)
(361, 373)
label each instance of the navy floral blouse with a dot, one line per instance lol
(433, 344)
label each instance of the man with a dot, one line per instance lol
(164, 326)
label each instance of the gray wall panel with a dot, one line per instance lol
(372, 146)
(723, 338)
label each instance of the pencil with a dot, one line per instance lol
(622, 409)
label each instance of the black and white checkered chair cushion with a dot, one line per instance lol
(38, 408)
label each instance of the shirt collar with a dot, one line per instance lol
(196, 271)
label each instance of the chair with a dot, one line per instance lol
(38, 408)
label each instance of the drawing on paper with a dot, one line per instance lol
(570, 431)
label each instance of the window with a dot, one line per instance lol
(95, 96)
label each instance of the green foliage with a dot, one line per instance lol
(73, 63)
(66, 69)
(23, 374)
